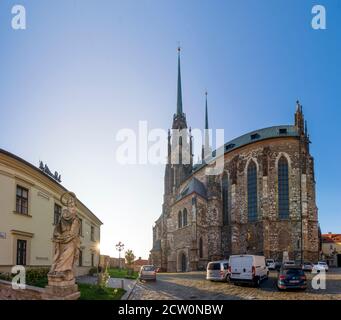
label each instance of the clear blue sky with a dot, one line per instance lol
(85, 69)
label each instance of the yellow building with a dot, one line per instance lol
(29, 208)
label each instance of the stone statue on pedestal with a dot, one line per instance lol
(66, 243)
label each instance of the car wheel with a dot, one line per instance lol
(257, 282)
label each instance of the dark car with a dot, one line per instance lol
(292, 277)
(278, 265)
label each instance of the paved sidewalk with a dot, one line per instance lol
(127, 284)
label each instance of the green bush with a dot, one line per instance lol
(5, 276)
(37, 277)
(34, 276)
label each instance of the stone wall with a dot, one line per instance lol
(30, 293)
(36, 293)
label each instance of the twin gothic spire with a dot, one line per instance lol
(179, 98)
(179, 109)
(180, 114)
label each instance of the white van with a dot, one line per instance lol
(248, 269)
(217, 270)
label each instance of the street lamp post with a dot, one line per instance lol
(119, 248)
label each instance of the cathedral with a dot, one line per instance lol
(262, 203)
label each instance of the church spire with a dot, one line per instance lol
(206, 145)
(179, 97)
(206, 113)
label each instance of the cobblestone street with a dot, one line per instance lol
(194, 286)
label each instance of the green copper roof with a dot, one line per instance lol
(254, 136)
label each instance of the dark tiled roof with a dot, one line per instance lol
(194, 185)
(254, 136)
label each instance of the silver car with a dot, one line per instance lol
(147, 272)
(218, 270)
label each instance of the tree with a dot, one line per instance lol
(130, 257)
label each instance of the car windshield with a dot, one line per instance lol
(148, 268)
(214, 266)
(322, 263)
(294, 272)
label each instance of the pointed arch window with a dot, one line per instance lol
(184, 217)
(283, 188)
(180, 219)
(201, 248)
(225, 198)
(252, 196)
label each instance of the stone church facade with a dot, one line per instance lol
(262, 203)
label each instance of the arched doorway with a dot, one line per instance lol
(183, 263)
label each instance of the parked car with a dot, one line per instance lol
(218, 270)
(307, 266)
(289, 263)
(278, 265)
(271, 264)
(147, 272)
(291, 277)
(248, 269)
(321, 265)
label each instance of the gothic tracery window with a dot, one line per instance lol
(283, 188)
(184, 217)
(180, 219)
(252, 196)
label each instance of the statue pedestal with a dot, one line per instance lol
(61, 289)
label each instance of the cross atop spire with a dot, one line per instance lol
(179, 96)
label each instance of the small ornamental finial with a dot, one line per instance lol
(298, 105)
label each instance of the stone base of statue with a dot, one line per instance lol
(59, 288)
